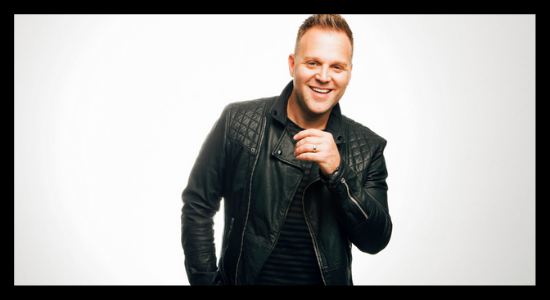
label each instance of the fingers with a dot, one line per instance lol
(319, 146)
(309, 132)
(308, 156)
(309, 140)
(307, 148)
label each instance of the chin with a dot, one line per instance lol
(312, 105)
(316, 109)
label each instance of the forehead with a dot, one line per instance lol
(318, 41)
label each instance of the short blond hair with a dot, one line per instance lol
(326, 21)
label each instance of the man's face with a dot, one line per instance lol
(321, 70)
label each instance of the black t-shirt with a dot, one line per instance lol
(293, 260)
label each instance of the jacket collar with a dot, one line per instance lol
(334, 124)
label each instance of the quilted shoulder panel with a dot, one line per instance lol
(245, 122)
(362, 143)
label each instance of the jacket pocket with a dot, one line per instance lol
(226, 239)
(222, 255)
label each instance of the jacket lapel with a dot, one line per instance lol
(284, 150)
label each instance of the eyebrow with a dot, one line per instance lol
(342, 63)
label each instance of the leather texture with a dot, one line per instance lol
(247, 160)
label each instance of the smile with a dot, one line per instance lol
(324, 91)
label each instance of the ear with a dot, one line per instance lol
(291, 64)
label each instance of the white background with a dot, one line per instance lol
(110, 112)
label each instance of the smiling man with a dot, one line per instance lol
(301, 182)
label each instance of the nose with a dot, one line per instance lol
(323, 75)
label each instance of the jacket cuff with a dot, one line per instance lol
(334, 178)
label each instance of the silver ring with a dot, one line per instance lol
(314, 147)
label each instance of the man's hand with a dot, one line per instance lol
(318, 146)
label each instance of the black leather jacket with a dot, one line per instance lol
(247, 159)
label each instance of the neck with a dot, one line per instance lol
(302, 118)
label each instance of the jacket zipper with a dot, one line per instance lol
(249, 195)
(311, 233)
(353, 199)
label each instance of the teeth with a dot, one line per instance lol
(319, 90)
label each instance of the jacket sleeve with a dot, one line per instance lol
(363, 204)
(201, 200)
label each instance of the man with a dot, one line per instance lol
(300, 181)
